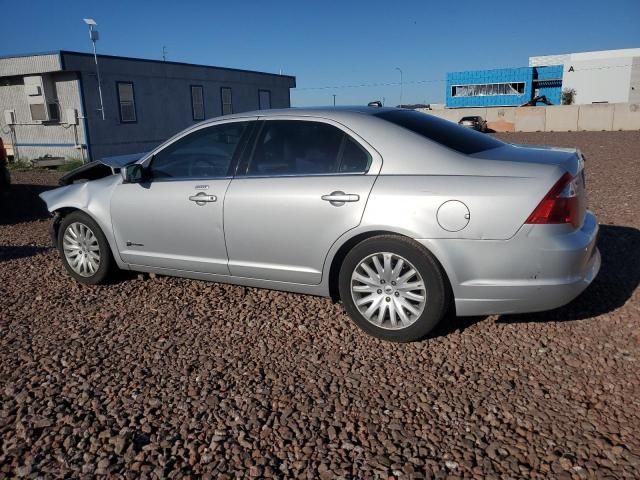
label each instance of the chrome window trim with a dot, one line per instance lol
(188, 179)
(346, 174)
(144, 161)
(374, 165)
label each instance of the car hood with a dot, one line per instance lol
(99, 168)
(120, 161)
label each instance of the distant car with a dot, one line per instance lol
(475, 122)
(398, 214)
(5, 177)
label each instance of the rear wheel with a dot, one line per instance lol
(84, 248)
(393, 288)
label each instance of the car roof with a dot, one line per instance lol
(327, 112)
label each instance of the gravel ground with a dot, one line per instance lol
(165, 377)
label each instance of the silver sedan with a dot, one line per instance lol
(399, 215)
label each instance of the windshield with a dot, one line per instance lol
(449, 134)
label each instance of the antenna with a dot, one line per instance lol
(94, 36)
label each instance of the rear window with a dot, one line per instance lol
(449, 134)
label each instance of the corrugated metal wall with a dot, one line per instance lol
(31, 64)
(163, 98)
(50, 138)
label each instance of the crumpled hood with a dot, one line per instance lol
(120, 161)
(99, 168)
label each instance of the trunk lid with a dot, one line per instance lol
(569, 160)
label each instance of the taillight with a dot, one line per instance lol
(560, 205)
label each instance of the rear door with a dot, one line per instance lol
(303, 185)
(174, 219)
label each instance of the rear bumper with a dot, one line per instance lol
(541, 268)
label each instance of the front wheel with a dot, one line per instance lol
(84, 249)
(393, 288)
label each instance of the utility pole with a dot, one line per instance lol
(400, 70)
(94, 36)
(164, 53)
(334, 99)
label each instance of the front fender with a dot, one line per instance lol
(92, 198)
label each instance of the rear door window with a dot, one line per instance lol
(298, 147)
(449, 134)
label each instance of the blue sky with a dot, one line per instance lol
(331, 43)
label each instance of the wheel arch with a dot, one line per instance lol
(348, 244)
(61, 212)
(58, 215)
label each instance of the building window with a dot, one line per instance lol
(126, 99)
(54, 112)
(226, 100)
(264, 99)
(488, 89)
(197, 102)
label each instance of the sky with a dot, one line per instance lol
(351, 49)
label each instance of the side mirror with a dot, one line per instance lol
(133, 173)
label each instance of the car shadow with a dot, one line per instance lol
(8, 252)
(21, 203)
(618, 278)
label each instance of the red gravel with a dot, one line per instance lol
(173, 377)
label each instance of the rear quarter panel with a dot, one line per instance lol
(418, 176)
(498, 205)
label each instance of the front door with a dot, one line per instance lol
(306, 184)
(174, 219)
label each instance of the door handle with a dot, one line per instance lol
(201, 198)
(339, 198)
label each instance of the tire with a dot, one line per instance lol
(88, 270)
(403, 296)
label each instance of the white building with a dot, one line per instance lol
(50, 104)
(607, 76)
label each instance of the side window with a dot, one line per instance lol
(292, 147)
(355, 159)
(206, 153)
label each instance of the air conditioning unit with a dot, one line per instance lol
(41, 98)
(71, 116)
(10, 117)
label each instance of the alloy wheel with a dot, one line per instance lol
(388, 291)
(81, 249)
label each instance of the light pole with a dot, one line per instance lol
(400, 70)
(334, 99)
(94, 36)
